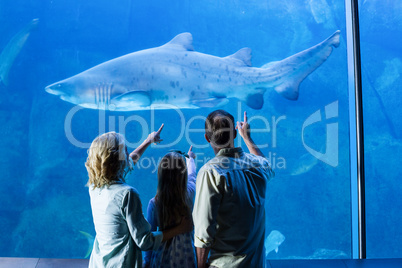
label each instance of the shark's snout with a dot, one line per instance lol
(64, 90)
(55, 89)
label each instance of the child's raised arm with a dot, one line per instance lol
(191, 172)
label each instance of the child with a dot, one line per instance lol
(174, 199)
(121, 229)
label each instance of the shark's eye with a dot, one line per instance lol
(58, 85)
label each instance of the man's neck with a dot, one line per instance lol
(217, 149)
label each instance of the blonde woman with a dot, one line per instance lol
(121, 229)
(174, 199)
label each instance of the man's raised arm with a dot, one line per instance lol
(244, 131)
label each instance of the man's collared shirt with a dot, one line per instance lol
(229, 209)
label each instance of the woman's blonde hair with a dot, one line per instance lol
(107, 161)
(171, 196)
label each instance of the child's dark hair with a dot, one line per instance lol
(171, 195)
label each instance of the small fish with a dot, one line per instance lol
(273, 241)
(174, 75)
(13, 48)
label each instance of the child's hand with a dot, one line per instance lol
(154, 137)
(186, 225)
(190, 153)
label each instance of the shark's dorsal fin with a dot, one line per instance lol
(182, 41)
(244, 55)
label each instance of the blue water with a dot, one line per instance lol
(45, 204)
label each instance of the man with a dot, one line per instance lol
(229, 212)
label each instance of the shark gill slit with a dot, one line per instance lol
(100, 89)
(97, 97)
(102, 95)
(110, 87)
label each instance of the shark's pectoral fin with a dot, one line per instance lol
(276, 250)
(132, 98)
(209, 103)
(242, 57)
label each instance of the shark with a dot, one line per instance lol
(175, 75)
(13, 48)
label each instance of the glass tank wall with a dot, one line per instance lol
(381, 52)
(45, 208)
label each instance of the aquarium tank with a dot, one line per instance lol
(204, 55)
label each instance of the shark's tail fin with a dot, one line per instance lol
(292, 70)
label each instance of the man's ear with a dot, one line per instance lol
(206, 137)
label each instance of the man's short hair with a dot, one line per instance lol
(220, 128)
